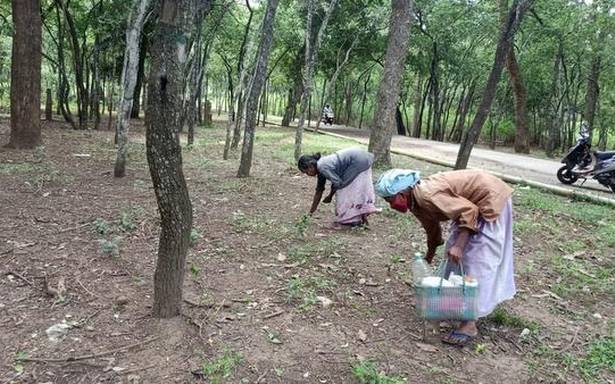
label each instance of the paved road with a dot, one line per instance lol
(535, 169)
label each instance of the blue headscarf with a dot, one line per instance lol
(394, 181)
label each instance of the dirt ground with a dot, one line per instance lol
(270, 296)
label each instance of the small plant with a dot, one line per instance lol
(601, 356)
(302, 225)
(195, 236)
(304, 290)
(480, 348)
(39, 154)
(194, 270)
(501, 317)
(18, 362)
(111, 247)
(396, 259)
(366, 372)
(219, 370)
(127, 221)
(102, 226)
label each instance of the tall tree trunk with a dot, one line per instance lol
(515, 15)
(230, 123)
(26, 75)
(516, 82)
(388, 93)
(255, 88)
(78, 62)
(553, 130)
(129, 80)
(245, 54)
(593, 90)
(363, 99)
(136, 98)
(163, 119)
(310, 61)
(96, 89)
(418, 90)
(48, 106)
(399, 122)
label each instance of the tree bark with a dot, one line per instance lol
(245, 53)
(163, 119)
(136, 98)
(515, 15)
(553, 130)
(593, 90)
(96, 89)
(129, 80)
(310, 61)
(418, 91)
(48, 106)
(26, 75)
(363, 99)
(388, 93)
(78, 61)
(255, 88)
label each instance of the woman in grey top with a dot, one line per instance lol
(350, 174)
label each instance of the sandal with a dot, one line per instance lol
(458, 338)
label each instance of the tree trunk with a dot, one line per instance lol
(48, 106)
(593, 90)
(82, 95)
(230, 123)
(136, 98)
(310, 62)
(416, 127)
(399, 122)
(96, 90)
(245, 53)
(515, 15)
(26, 75)
(129, 80)
(256, 86)
(168, 56)
(388, 93)
(364, 98)
(553, 130)
(422, 109)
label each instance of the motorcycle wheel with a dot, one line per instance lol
(565, 176)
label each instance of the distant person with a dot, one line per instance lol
(327, 115)
(350, 174)
(480, 208)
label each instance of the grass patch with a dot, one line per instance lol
(503, 318)
(315, 249)
(580, 275)
(600, 358)
(366, 372)
(304, 290)
(222, 368)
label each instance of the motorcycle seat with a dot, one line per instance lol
(605, 155)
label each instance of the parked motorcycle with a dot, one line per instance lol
(581, 163)
(327, 118)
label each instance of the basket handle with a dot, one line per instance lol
(442, 270)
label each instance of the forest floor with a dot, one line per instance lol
(270, 295)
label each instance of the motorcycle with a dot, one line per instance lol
(327, 118)
(581, 163)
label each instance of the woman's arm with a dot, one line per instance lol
(316, 201)
(327, 199)
(434, 236)
(455, 253)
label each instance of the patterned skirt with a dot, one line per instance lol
(356, 201)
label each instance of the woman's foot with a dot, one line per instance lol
(463, 335)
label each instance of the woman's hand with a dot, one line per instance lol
(455, 254)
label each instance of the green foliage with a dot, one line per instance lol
(195, 236)
(503, 318)
(111, 247)
(222, 368)
(303, 290)
(600, 357)
(102, 226)
(366, 372)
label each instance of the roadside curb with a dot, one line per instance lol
(510, 179)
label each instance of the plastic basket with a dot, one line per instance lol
(447, 303)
